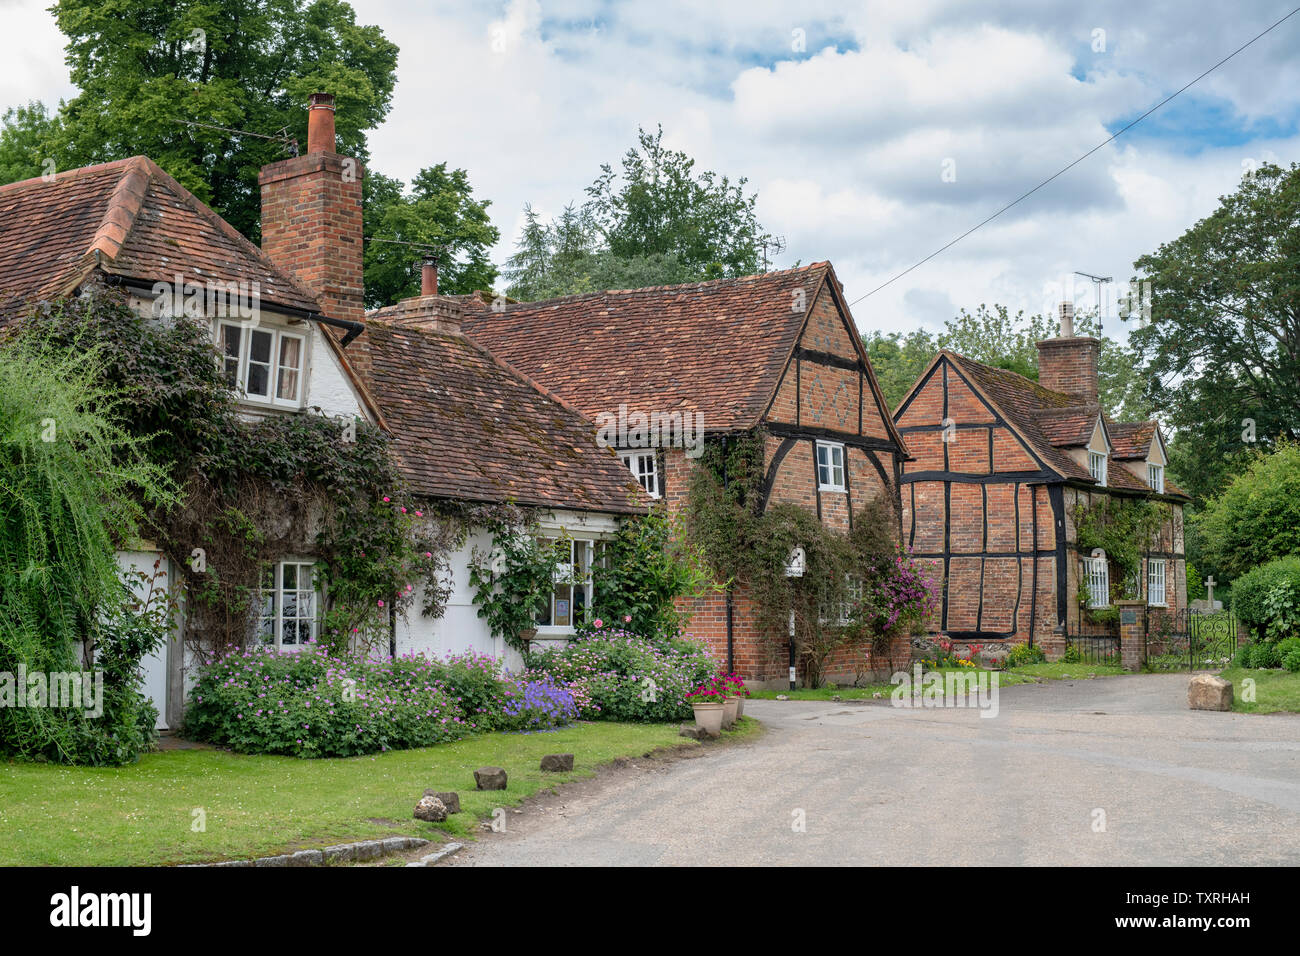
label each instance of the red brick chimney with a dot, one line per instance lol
(311, 216)
(1069, 363)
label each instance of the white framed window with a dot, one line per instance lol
(830, 466)
(263, 363)
(1156, 582)
(287, 618)
(1097, 466)
(853, 593)
(1098, 576)
(644, 466)
(570, 602)
(1156, 477)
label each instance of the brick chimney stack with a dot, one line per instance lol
(311, 216)
(1069, 363)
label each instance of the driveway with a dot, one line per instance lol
(1110, 771)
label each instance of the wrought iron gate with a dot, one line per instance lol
(1189, 639)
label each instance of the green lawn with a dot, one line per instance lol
(1062, 671)
(1006, 679)
(259, 806)
(1275, 690)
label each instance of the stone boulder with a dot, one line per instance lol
(490, 778)
(557, 763)
(1207, 692)
(430, 809)
(449, 800)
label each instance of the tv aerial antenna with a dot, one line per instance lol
(775, 243)
(1097, 281)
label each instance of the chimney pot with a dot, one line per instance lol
(320, 124)
(1067, 320)
(429, 276)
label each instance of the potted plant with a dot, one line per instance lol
(736, 690)
(708, 703)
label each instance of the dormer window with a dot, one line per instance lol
(265, 364)
(1156, 477)
(1097, 466)
(644, 468)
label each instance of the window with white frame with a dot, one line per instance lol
(570, 602)
(830, 466)
(288, 613)
(645, 469)
(1097, 466)
(1156, 477)
(1156, 582)
(266, 364)
(1098, 578)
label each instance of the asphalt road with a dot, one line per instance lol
(1110, 771)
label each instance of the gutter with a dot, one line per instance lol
(353, 329)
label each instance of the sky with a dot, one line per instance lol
(873, 133)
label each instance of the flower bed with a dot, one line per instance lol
(311, 704)
(616, 675)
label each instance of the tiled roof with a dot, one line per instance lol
(717, 348)
(129, 219)
(468, 427)
(1051, 421)
(1131, 439)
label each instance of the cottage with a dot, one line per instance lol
(293, 339)
(1011, 481)
(778, 353)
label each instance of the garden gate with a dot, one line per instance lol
(1189, 639)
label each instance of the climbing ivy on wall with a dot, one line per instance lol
(855, 584)
(1123, 528)
(252, 491)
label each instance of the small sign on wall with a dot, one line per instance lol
(561, 613)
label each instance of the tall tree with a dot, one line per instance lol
(995, 337)
(439, 212)
(898, 360)
(655, 222)
(145, 67)
(1221, 345)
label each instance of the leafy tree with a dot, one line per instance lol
(1256, 518)
(658, 222)
(440, 211)
(144, 66)
(899, 360)
(995, 337)
(1220, 349)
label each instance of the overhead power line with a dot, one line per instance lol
(1066, 169)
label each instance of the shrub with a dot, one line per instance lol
(1257, 517)
(310, 704)
(1251, 592)
(537, 704)
(1291, 660)
(474, 680)
(620, 676)
(1022, 654)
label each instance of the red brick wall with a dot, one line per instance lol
(814, 396)
(311, 227)
(985, 529)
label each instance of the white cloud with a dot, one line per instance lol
(844, 141)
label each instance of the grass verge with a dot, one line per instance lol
(144, 814)
(1276, 691)
(884, 689)
(1062, 671)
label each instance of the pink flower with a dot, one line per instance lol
(598, 623)
(381, 603)
(627, 619)
(386, 498)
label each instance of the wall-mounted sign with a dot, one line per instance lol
(794, 564)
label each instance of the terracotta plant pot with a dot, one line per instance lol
(709, 716)
(729, 709)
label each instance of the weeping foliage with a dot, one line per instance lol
(72, 481)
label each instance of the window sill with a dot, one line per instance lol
(832, 489)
